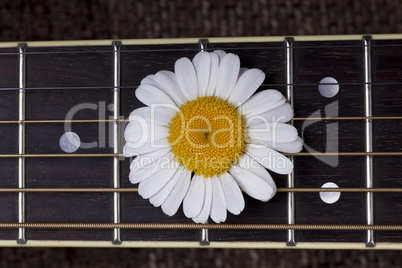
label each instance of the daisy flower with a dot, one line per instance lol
(204, 137)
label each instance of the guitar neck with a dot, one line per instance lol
(352, 139)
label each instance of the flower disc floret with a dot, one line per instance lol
(207, 136)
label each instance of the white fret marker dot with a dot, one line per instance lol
(328, 87)
(69, 142)
(330, 197)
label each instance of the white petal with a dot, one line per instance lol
(151, 80)
(227, 75)
(242, 71)
(173, 201)
(275, 132)
(149, 95)
(144, 160)
(203, 216)
(186, 77)
(144, 146)
(161, 116)
(170, 86)
(155, 182)
(233, 195)
(283, 113)
(285, 147)
(213, 76)
(261, 102)
(130, 151)
(194, 198)
(246, 162)
(218, 208)
(173, 77)
(246, 85)
(220, 53)
(252, 184)
(139, 173)
(270, 159)
(161, 196)
(135, 131)
(202, 66)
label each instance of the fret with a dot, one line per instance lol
(94, 69)
(116, 140)
(289, 93)
(369, 139)
(266, 56)
(71, 69)
(204, 239)
(46, 144)
(386, 66)
(69, 208)
(203, 44)
(138, 61)
(21, 142)
(349, 209)
(204, 234)
(312, 63)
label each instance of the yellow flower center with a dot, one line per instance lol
(207, 136)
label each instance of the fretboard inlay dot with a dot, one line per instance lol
(328, 87)
(69, 142)
(330, 197)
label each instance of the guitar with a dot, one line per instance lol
(55, 193)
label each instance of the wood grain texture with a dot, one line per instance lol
(88, 73)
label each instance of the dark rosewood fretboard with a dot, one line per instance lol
(56, 78)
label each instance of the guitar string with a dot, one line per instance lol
(127, 120)
(340, 227)
(286, 154)
(131, 190)
(393, 83)
(188, 49)
(222, 226)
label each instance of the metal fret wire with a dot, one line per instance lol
(369, 139)
(290, 178)
(204, 236)
(223, 226)
(116, 140)
(21, 226)
(21, 142)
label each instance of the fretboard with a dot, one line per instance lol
(50, 197)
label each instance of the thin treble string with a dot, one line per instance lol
(263, 85)
(195, 49)
(130, 190)
(127, 120)
(121, 155)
